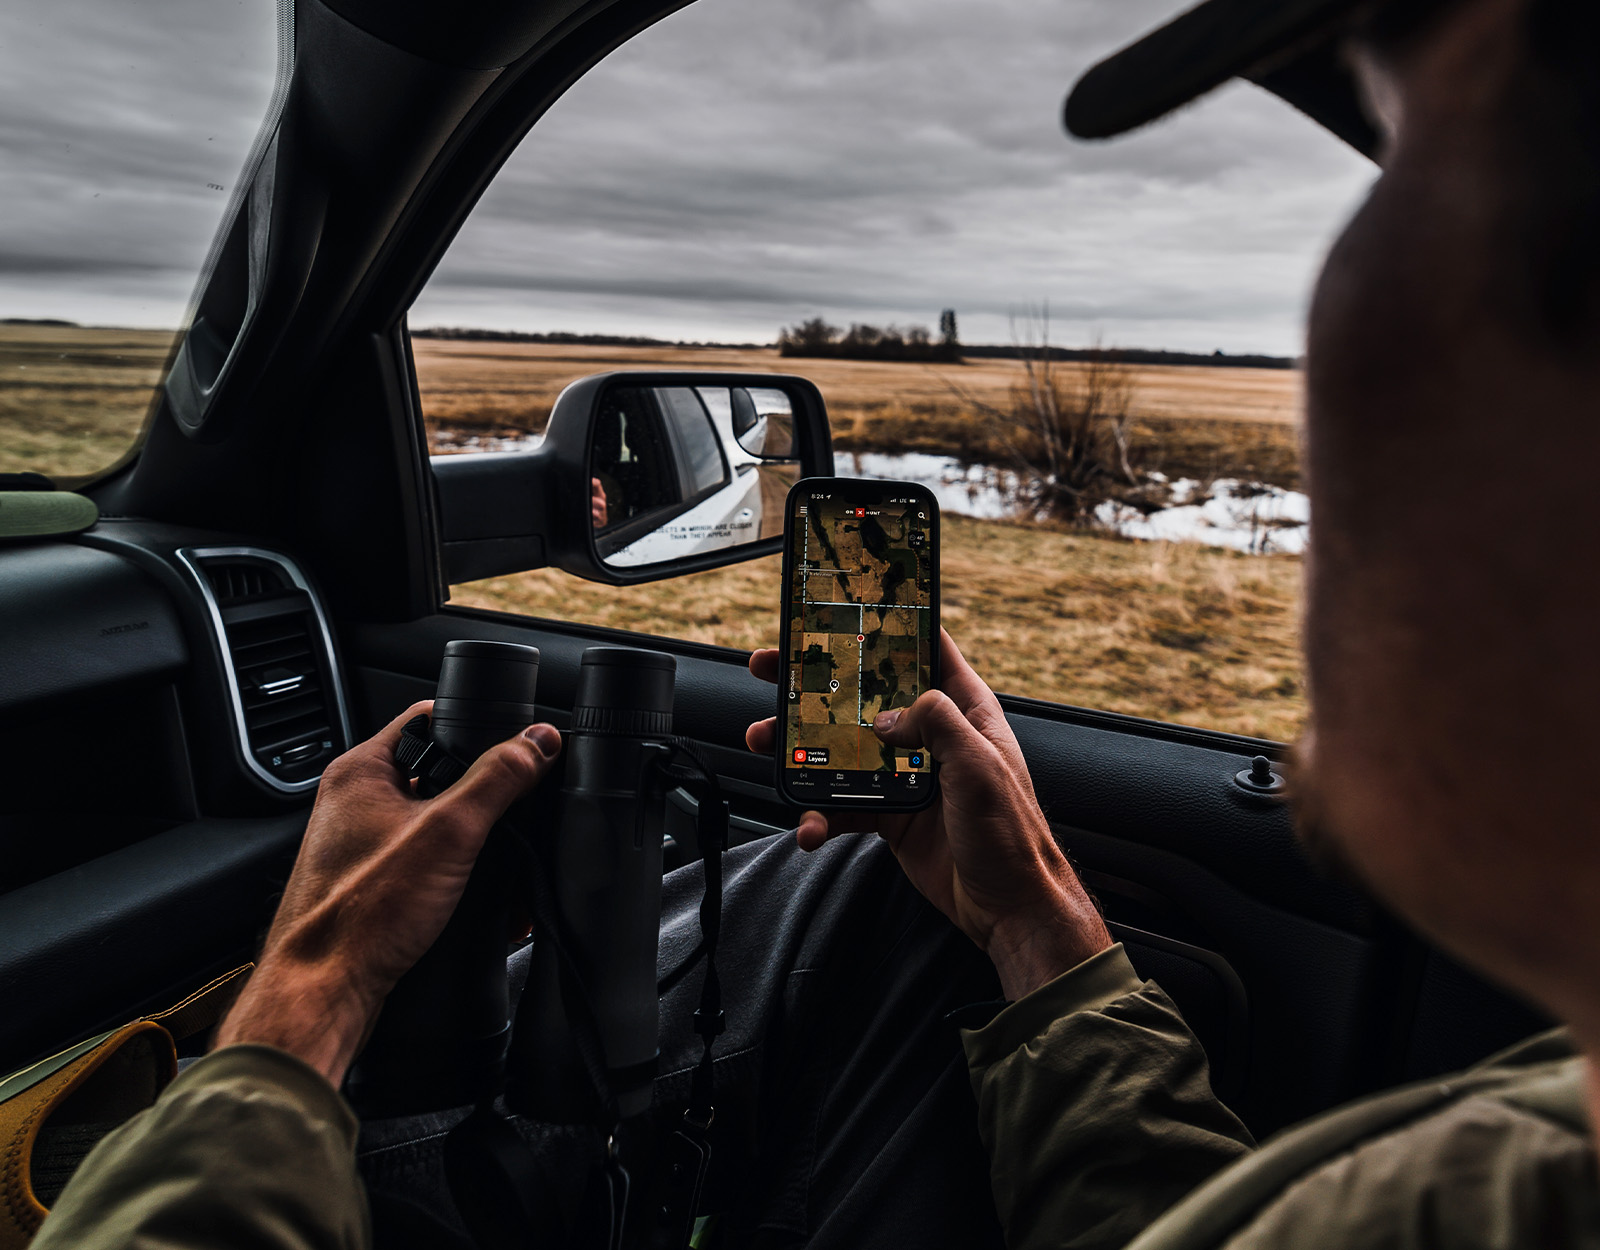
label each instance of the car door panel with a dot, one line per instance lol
(136, 930)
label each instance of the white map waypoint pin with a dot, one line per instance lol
(833, 685)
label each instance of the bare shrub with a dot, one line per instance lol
(1066, 429)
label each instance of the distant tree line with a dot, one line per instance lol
(1131, 356)
(860, 342)
(863, 342)
(561, 337)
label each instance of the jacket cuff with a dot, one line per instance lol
(1095, 983)
(252, 1065)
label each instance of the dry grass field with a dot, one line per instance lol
(1170, 631)
(1189, 421)
(72, 399)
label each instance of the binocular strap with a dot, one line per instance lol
(687, 1154)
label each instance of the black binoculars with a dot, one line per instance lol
(581, 858)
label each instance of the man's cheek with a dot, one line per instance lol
(1310, 818)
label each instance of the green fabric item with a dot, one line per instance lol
(1093, 1100)
(41, 513)
(249, 1147)
(1501, 1155)
(1094, 1104)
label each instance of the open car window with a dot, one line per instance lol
(1089, 353)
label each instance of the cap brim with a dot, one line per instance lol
(1192, 54)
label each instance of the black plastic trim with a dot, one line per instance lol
(89, 948)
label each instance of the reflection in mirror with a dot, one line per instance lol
(763, 421)
(670, 476)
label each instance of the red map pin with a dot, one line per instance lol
(861, 637)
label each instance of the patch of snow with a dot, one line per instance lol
(977, 490)
(448, 441)
(1244, 516)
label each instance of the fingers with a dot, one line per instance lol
(960, 680)
(499, 777)
(762, 737)
(812, 831)
(383, 743)
(373, 760)
(814, 828)
(935, 722)
(764, 664)
(977, 702)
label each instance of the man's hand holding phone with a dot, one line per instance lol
(983, 853)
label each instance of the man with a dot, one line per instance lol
(1452, 364)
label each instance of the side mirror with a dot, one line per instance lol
(640, 476)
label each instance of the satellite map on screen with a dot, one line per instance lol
(859, 630)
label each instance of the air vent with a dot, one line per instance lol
(278, 670)
(286, 696)
(236, 581)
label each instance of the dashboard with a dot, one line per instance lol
(168, 700)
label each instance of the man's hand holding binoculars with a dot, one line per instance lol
(379, 873)
(983, 853)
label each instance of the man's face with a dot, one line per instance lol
(1451, 441)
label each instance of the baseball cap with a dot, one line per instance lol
(1287, 46)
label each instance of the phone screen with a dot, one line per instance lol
(861, 629)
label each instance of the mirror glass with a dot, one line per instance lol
(676, 471)
(762, 420)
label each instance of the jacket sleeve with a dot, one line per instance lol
(1095, 1104)
(248, 1147)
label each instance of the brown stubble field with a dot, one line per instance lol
(1169, 631)
(72, 399)
(1188, 421)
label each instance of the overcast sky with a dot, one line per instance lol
(741, 166)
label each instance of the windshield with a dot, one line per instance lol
(123, 129)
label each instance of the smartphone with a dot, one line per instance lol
(860, 635)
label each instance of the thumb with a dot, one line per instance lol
(501, 776)
(934, 722)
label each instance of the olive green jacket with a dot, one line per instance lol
(248, 1149)
(1094, 1102)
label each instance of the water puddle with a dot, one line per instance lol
(1243, 516)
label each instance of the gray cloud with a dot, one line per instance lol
(118, 122)
(741, 166)
(736, 168)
